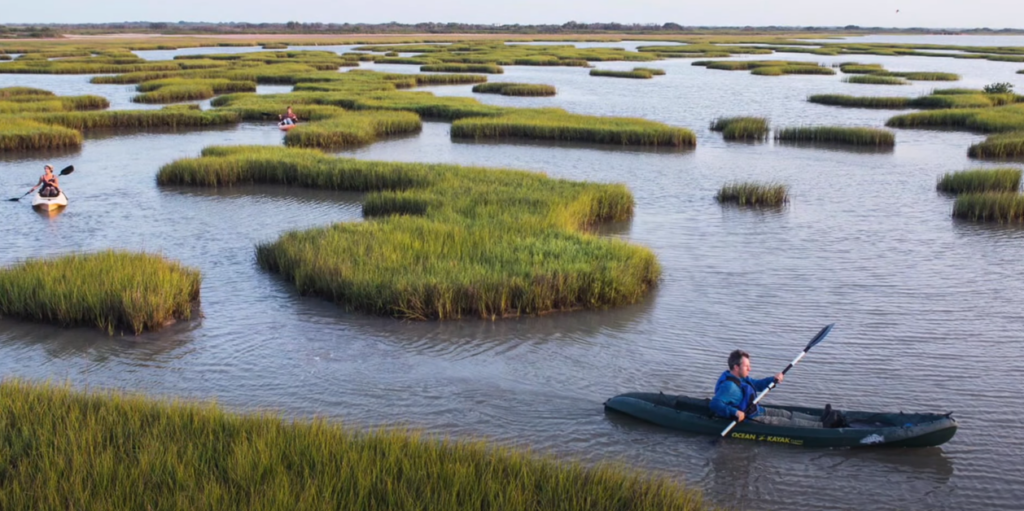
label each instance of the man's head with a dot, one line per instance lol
(739, 363)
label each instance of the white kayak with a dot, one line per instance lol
(49, 203)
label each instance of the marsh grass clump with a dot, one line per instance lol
(924, 76)
(352, 128)
(742, 128)
(515, 89)
(1006, 207)
(653, 70)
(837, 135)
(621, 74)
(263, 461)
(112, 290)
(1000, 146)
(442, 241)
(859, 101)
(15, 92)
(753, 194)
(985, 120)
(173, 90)
(980, 180)
(876, 80)
(557, 124)
(463, 68)
(856, 68)
(17, 134)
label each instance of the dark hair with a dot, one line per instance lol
(736, 357)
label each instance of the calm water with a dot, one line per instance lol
(927, 309)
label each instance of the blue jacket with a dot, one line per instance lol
(730, 398)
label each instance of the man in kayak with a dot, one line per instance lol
(50, 183)
(735, 393)
(289, 117)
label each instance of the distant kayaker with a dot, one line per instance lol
(289, 117)
(735, 393)
(50, 183)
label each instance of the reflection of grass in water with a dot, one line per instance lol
(980, 180)
(229, 461)
(445, 241)
(753, 194)
(111, 290)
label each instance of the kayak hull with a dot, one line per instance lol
(49, 203)
(866, 428)
(286, 127)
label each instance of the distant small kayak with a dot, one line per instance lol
(895, 429)
(49, 203)
(285, 127)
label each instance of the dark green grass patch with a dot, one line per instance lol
(556, 124)
(860, 101)
(621, 74)
(60, 445)
(463, 68)
(753, 194)
(515, 89)
(111, 290)
(443, 241)
(1000, 146)
(838, 135)
(980, 180)
(742, 128)
(990, 207)
(876, 80)
(352, 128)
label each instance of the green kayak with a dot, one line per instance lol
(865, 428)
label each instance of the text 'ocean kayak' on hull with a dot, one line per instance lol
(865, 428)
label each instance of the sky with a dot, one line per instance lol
(875, 13)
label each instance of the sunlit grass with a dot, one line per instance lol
(753, 194)
(515, 89)
(112, 290)
(443, 241)
(999, 146)
(556, 124)
(67, 449)
(980, 180)
(837, 135)
(742, 128)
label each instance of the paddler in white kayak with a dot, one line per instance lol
(50, 183)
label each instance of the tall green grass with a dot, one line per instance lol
(17, 134)
(753, 194)
(67, 449)
(443, 241)
(980, 180)
(12, 92)
(137, 119)
(112, 290)
(515, 89)
(925, 76)
(1005, 145)
(1005, 207)
(985, 120)
(557, 124)
(352, 128)
(838, 135)
(742, 128)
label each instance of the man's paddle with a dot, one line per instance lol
(814, 342)
(63, 172)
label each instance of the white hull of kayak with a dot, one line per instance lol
(49, 203)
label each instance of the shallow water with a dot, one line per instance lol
(927, 309)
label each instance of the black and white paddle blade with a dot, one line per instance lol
(820, 337)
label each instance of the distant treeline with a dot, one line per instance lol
(572, 27)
